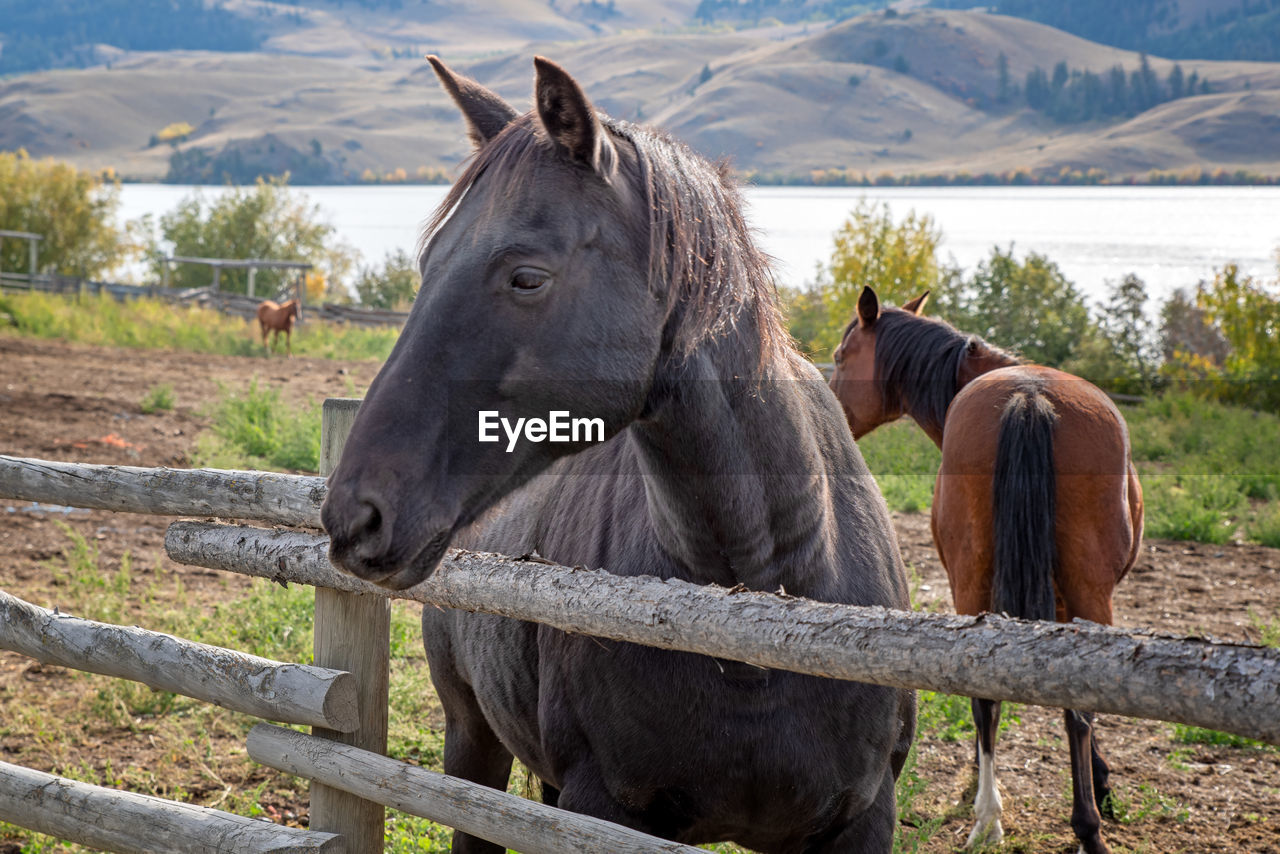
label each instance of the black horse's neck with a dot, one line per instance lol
(734, 488)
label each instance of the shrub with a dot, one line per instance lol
(158, 399)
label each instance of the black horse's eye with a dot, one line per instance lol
(528, 279)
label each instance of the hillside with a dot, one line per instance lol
(1178, 29)
(913, 92)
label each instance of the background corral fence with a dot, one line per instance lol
(343, 695)
(211, 296)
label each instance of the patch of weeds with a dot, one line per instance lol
(1146, 803)
(948, 717)
(158, 399)
(914, 828)
(1185, 734)
(257, 430)
(1179, 758)
(271, 621)
(83, 588)
(1268, 630)
(1199, 508)
(408, 834)
(905, 463)
(1265, 527)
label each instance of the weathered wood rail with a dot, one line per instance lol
(524, 825)
(113, 820)
(290, 693)
(1222, 686)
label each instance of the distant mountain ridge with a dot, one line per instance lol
(882, 96)
(1176, 29)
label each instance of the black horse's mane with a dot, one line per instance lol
(702, 257)
(918, 362)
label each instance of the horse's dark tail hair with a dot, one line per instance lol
(1025, 491)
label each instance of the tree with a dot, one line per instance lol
(266, 221)
(394, 285)
(1247, 314)
(1120, 353)
(1029, 307)
(1003, 87)
(74, 211)
(898, 260)
(1177, 83)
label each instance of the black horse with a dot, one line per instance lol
(586, 266)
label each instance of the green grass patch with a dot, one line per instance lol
(158, 399)
(256, 429)
(905, 463)
(1146, 803)
(1265, 527)
(1204, 508)
(1185, 734)
(154, 323)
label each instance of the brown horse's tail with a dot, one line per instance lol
(1025, 492)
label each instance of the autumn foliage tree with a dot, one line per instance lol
(898, 259)
(74, 211)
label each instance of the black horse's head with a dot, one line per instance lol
(536, 299)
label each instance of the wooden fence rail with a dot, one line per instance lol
(291, 693)
(280, 499)
(1223, 686)
(112, 820)
(526, 826)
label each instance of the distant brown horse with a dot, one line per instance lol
(1037, 510)
(277, 317)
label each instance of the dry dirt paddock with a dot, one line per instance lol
(80, 403)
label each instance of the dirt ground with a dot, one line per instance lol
(81, 403)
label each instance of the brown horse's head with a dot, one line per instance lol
(856, 380)
(537, 297)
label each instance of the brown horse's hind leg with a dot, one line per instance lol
(1085, 818)
(987, 806)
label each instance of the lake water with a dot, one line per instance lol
(1169, 236)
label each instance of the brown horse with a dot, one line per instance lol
(277, 317)
(1037, 510)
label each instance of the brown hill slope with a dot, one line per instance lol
(911, 93)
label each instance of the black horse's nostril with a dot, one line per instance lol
(359, 530)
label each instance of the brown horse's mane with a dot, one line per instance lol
(702, 257)
(919, 361)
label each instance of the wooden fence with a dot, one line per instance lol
(1230, 687)
(239, 305)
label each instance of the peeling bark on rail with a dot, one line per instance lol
(281, 499)
(517, 823)
(112, 820)
(1222, 686)
(291, 693)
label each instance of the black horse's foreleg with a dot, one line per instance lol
(869, 832)
(987, 806)
(473, 752)
(1085, 819)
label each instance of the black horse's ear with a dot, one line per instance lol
(486, 113)
(569, 118)
(916, 306)
(868, 306)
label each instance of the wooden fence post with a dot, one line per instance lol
(352, 633)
